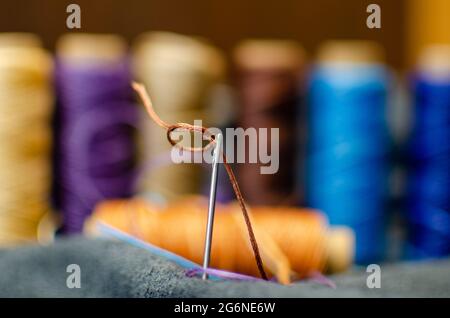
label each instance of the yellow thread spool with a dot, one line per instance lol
(26, 101)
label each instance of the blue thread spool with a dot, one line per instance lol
(428, 197)
(348, 142)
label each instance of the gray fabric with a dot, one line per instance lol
(115, 269)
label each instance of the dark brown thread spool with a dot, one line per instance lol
(268, 79)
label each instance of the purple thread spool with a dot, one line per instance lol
(95, 124)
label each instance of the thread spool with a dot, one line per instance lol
(268, 79)
(305, 243)
(179, 72)
(26, 100)
(223, 114)
(20, 39)
(96, 119)
(347, 164)
(427, 24)
(428, 197)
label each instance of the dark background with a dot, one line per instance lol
(222, 22)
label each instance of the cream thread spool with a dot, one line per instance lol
(180, 72)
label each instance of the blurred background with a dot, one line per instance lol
(223, 23)
(363, 112)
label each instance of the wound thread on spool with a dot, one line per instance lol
(26, 100)
(428, 197)
(179, 72)
(348, 141)
(96, 120)
(269, 74)
(291, 239)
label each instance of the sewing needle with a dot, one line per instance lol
(212, 204)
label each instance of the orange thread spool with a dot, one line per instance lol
(301, 235)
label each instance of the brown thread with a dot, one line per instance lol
(140, 89)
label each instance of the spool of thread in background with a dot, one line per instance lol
(222, 112)
(95, 125)
(26, 103)
(428, 197)
(179, 72)
(347, 164)
(268, 81)
(304, 242)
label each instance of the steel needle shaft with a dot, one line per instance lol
(212, 204)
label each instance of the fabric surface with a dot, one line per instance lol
(115, 269)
